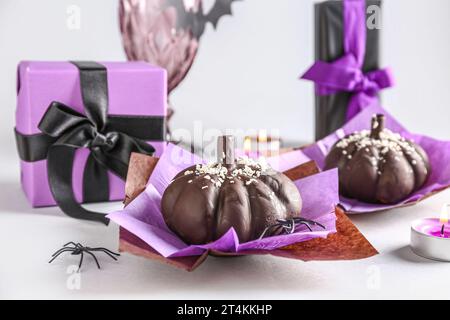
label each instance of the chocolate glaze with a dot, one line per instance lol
(378, 166)
(204, 201)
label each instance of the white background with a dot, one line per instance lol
(249, 67)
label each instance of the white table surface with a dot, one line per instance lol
(29, 236)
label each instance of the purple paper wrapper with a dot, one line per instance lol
(143, 217)
(281, 162)
(134, 88)
(438, 152)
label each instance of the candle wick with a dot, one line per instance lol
(442, 230)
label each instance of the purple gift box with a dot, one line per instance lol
(133, 90)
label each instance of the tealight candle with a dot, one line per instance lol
(247, 146)
(430, 237)
(261, 143)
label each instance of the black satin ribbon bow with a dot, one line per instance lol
(110, 139)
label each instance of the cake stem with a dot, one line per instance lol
(225, 149)
(377, 126)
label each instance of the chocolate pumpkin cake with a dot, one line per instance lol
(204, 201)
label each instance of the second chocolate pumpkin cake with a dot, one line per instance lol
(378, 165)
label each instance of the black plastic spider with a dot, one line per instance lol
(79, 249)
(289, 225)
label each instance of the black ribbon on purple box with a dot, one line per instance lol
(110, 139)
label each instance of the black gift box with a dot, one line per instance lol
(331, 109)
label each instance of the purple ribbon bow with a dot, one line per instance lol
(345, 74)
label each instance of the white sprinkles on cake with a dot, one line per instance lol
(388, 142)
(249, 172)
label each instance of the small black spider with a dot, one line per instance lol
(79, 249)
(289, 225)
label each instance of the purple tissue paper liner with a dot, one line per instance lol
(438, 152)
(143, 216)
(281, 162)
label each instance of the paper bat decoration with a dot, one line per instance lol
(197, 21)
